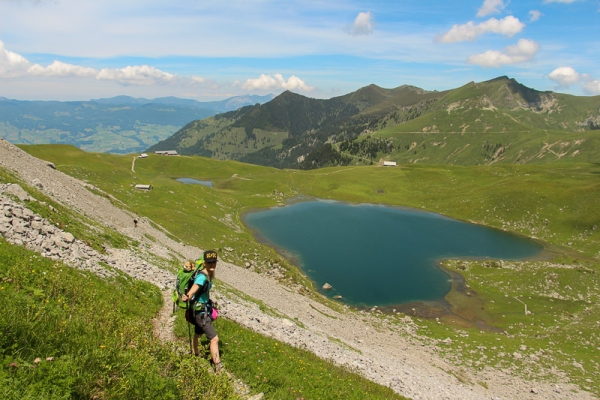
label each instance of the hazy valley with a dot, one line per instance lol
(120, 124)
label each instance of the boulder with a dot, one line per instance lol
(67, 237)
(327, 286)
(17, 191)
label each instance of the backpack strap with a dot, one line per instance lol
(203, 289)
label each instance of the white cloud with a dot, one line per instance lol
(490, 7)
(15, 65)
(136, 75)
(507, 26)
(276, 81)
(362, 25)
(60, 69)
(197, 79)
(592, 86)
(12, 64)
(523, 51)
(565, 76)
(534, 15)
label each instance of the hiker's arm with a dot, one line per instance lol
(191, 293)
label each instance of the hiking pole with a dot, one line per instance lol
(190, 335)
(189, 330)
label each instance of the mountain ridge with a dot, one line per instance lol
(405, 124)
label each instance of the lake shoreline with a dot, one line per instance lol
(439, 304)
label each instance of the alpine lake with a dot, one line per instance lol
(381, 256)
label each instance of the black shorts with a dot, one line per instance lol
(203, 325)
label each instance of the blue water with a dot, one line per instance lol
(190, 181)
(376, 255)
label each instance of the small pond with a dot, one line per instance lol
(377, 255)
(190, 181)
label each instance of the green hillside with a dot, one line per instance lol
(497, 121)
(66, 333)
(556, 203)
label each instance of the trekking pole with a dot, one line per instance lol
(190, 336)
(189, 329)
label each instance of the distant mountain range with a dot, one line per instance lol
(489, 122)
(119, 124)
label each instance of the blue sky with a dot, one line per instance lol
(211, 50)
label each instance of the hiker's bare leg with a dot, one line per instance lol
(195, 343)
(214, 350)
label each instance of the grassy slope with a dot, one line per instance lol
(556, 203)
(91, 336)
(113, 355)
(472, 122)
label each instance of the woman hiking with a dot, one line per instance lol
(201, 305)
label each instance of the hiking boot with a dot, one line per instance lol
(219, 367)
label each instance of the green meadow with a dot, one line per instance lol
(538, 318)
(67, 334)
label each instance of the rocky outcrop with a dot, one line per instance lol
(21, 226)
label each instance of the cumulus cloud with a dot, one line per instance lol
(276, 81)
(12, 64)
(523, 51)
(565, 76)
(362, 25)
(534, 15)
(592, 86)
(62, 70)
(136, 75)
(507, 26)
(490, 7)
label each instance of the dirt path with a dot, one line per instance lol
(163, 328)
(164, 323)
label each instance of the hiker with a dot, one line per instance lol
(135, 222)
(199, 295)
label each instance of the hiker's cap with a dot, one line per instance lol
(210, 256)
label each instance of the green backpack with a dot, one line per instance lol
(184, 282)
